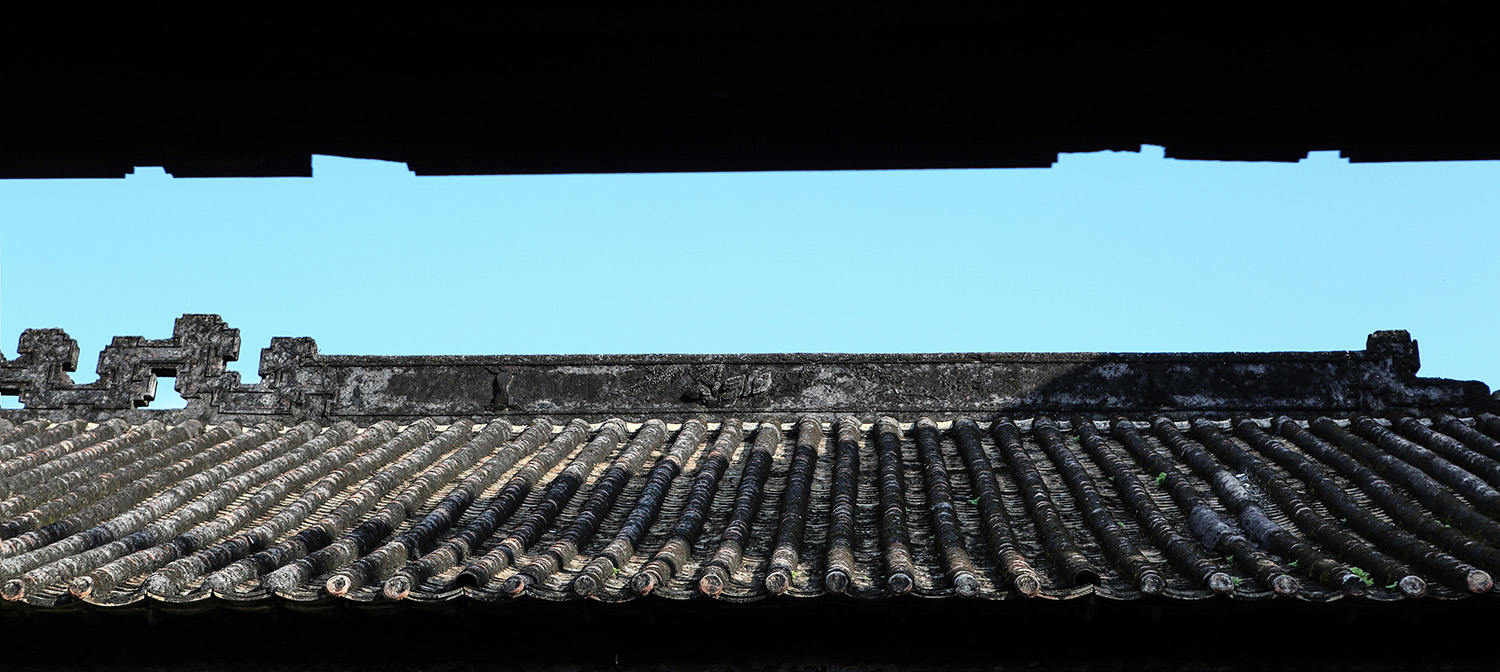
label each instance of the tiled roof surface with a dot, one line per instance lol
(742, 508)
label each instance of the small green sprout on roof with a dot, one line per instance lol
(1229, 558)
(1394, 585)
(974, 501)
(617, 571)
(1292, 564)
(1363, 575)
(1161, 478)
(1236, 581)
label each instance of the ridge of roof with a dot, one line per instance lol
(298, 383)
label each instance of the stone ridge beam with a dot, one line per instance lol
(298, 383)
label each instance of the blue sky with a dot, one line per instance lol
(1109, 251)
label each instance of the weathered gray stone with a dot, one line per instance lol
(298, 383)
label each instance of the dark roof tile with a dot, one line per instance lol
(994, 508)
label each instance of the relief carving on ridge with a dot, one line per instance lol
(719, 386)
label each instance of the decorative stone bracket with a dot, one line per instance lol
(196, 355)
(298, 383)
